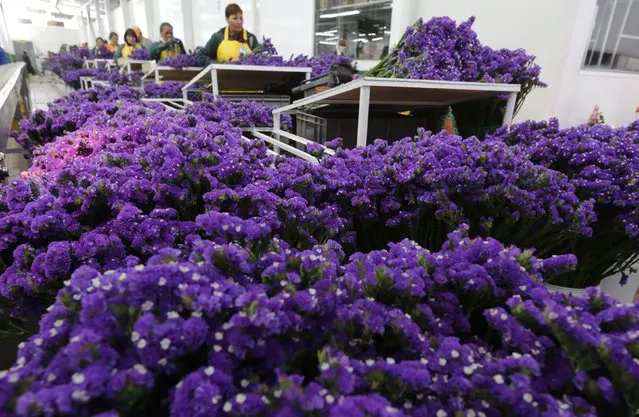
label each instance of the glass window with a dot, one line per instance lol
(614, 43)
(363, 25)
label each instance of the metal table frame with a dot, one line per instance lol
(95, 63)
(213, 69)
(162, 73)
(365, 84)
(126, 65)
(87, 83)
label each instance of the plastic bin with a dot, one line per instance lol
(311, 127)
(385, 125)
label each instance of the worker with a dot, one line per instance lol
(230, 42)
(112, 46)
(168, 45)
(145, 42)
(130, 44)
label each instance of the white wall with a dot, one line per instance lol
(542, 27)
(208, 17)
(46, 38)
(616, 93)
(289, 23)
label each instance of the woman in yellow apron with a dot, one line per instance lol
(130, 44)
(168, 46)
(229, 43)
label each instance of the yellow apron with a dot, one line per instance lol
(170, 52)
(229, 50)
(128, 50)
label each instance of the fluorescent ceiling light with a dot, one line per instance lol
(327, 34)
(364, 40)
(387, 32)
(377, 39)
(340, 14)
(328, 43)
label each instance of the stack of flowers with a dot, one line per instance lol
(267, 55)
(102, 52)
(168, 89)
(441, 50)
(69, 113)
(117, 78)
(181, 61)
(244, 114)
(602, 164)
(177, 268)
(141, 54)
(63, 62)
(72, 77)
(399, 332)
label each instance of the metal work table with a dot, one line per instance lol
(363, 93)
(13, 92)
(128, 65)
(162, 73)
(248, 79)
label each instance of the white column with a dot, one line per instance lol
(5, 37)
(187, 18)
(102, 31)
(127, 15)
(404, 14)
(85, 25)
(152, 10)
(109, 18)
(257, 27)
(91, 29)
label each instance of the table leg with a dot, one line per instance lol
(277, 120)
(510, 109)
(362, 119)
(216, 88)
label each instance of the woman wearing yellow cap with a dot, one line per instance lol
(145, 42)
(230, 42)
(130, 44)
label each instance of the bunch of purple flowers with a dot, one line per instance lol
(267, 55)
(141, 54)
(168, 89)
(69, 113)
(63, 62)
(245, 114)
(467, 330)
(602, 163)
(181, 61)
(439, 49)
(102, 52)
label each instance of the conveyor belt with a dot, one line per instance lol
(12, 89)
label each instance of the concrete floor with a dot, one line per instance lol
(43, 89)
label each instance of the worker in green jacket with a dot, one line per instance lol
(168, 46)
(231, 42)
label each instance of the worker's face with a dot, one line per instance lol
(236, 22)
(167, 33)
(100, 42)
(114, 39)
(131, 39)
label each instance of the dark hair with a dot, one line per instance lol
(165, 24)
(99, 38)
(112, 34)
(130, 32)
(232, 9)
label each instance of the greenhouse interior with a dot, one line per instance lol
(359, 208)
